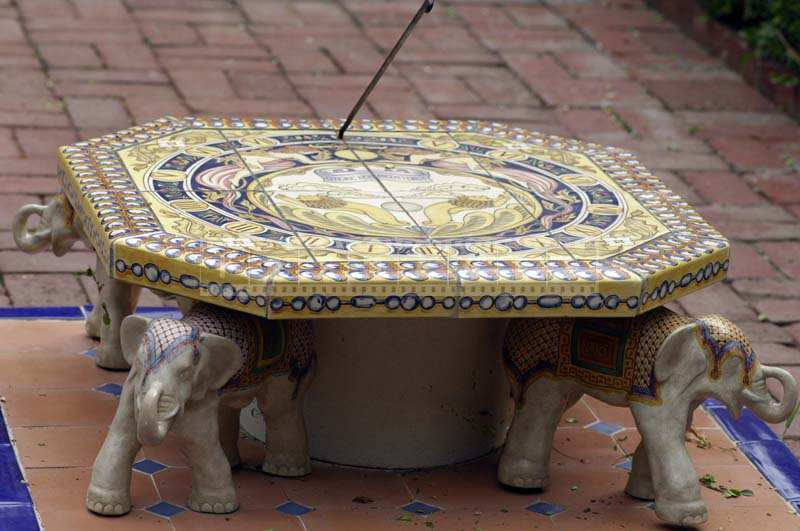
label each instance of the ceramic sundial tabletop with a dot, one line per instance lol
(439, 218)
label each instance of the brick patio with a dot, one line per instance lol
(614, 72)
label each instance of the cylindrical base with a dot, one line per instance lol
(405, 393)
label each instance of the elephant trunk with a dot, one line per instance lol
(759, 400)
(156, 412)
(27, 240)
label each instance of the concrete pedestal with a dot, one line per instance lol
(404, 393)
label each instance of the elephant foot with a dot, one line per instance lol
(106, 502)
(685, 514)
(92, 325)
(287, 466)
(234, 459)
(213, 504)
(640, 487)
(111, 359)
(521, 473)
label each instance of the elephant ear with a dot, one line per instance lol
(131, 335)
(219, 360)
(680, 353)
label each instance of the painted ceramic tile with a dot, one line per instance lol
(440, 218)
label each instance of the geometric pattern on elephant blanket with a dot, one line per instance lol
(268, 347)
(615, 355)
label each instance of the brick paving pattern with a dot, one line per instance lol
(613, 72)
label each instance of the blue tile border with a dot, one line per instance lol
(765, 450)
(16, 504)
(73, 312)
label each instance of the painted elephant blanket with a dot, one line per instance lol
(616, 355)
(268, 347)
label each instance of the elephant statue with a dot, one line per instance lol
(660, 364)
(191, 377)
(60, 230)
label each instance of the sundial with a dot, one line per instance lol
(400, 218)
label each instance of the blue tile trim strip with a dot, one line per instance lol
(16, 504)
(72, 312)
(762, 447)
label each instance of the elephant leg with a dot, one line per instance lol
(212, 483)
(109, 492)
(117, 301)
(281, 403)
(94, 320)
(229, 434)
(525, 459)
(640, 480)
(677, 491)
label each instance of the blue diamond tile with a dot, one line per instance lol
(545, 509)
(625, 464)
(92, 353)
(293, 509)
(148, 466)
(418, 507)
(604, 428)
(165, 509)
(110, 388)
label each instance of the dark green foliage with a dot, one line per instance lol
(771, 28)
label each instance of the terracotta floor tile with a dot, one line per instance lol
(79, 519)
(372, 519)
(577, 416)
(62, 446)
(491, 520)
(748, 518)
(242, 520)
(65, 488)
(578, 487)
(742, 476)
(59, 407)
(335, 487)
(613, 415)
(42, 337)
(587, 445)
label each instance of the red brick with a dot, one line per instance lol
(583, 122)
(203, 84)
(747, 263)
(533, 40)
(356, 56)
(491, 112)
(127, 56)
(481, 16)
(670, 160)
(780, 311)
(98, 112)
(43, 142)
(33, 119)
(304, 60)
(224, 16)
(9, 205)
(745, 230)
(748, 154)
(717, 299)
(161, 33)
(33, 9)
(590, 92)
(69, 55)
(723, 187)
(781, 188)
(444, 90)
(225, 35)
(19, 262)
(537, 16)
(777, 354)
(32, 166)
(260, 85)
(108, 76)
(266, 108)
(591, 64)
(726, 95)
(750, 213)
(762, 332)
(741, 124)
(10, 31)
(675, 183)
(794, 331)
(500, 86)
(768, 287)
(45, 289)
(786, 255)
(30, 185)
(8, 147)
(794, 209)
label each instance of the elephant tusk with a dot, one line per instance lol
(26, 239)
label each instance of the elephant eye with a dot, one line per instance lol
(185, 372)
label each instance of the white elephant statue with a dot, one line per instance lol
(660, 364)
(60, 230)
(191, 377)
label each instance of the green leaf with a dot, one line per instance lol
(571, 420)
(708, 480)
(747, 492)
(404, 518)
(732, 493)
